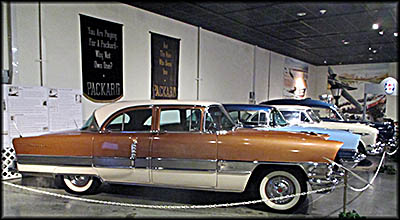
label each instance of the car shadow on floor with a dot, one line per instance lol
(187, 197)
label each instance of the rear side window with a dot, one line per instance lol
(135, 120)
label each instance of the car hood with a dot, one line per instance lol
(350, 140)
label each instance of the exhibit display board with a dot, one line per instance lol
(29, 111)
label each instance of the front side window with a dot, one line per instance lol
(180, 120)
(219, 119)
(277, 118)
(90, 124)
(135, 120)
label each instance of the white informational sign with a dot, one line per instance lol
(65, 109)
(27, 111)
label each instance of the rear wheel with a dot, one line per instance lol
(274, 183)
(80, 184)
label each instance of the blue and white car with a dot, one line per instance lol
(263, 117)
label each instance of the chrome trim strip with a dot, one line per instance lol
(176, 187)
(51, 169)
(54, 160)
(120, 162)
(208, 165)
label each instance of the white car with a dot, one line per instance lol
(305, 116)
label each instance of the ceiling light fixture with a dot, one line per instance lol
(375, 26)
(301, 14)
(322, 11)
(395, 34)
(369, 48)
(346, 42)
(325, 61)
(370, 58)
(381, 32)
(374, 51)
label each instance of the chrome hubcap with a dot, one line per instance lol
(79, 180)
(280, 186)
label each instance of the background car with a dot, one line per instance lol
(182, 144)
(269, 118)
(329, 112)
(305, 116)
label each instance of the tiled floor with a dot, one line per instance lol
(381, 200)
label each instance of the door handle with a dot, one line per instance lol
(133, 152)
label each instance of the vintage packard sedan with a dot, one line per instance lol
(181, 144)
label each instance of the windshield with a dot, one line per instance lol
(277, 118)
(313, 116)
(90, 124)
(327, 114)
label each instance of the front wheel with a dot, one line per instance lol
(278, 183)
(80, 184)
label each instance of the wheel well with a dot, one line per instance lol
(261, 167)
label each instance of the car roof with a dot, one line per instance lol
(248, 107)
(102, 113)
(280, 107)
(306, 102)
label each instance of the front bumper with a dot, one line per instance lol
(321, 175)
(353, 160)
(376, 149)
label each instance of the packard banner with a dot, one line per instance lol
(164, 66)
(101, 48)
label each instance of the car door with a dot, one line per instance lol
(182, 154)
(121, 151)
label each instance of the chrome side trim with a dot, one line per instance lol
(54, 160)
(124, 175)
(52, 169)
(176, 187)
(184, 164)
(120, 162)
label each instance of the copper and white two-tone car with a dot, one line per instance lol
(181, 144)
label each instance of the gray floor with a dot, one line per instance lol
(379, 201)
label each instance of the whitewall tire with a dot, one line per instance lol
(275, 183)
(80, 184)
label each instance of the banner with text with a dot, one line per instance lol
(164, 66)
(101, 48)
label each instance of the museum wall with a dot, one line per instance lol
(4, 37)
(226, 68)
(226, 65)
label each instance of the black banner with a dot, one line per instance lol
(101, 49)
(164, 66)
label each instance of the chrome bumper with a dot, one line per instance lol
(353, 161)
(375, 149)
(321, 175)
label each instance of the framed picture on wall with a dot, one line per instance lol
(101, 49)
(164, 66)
